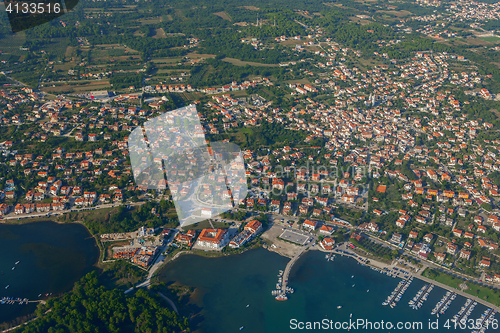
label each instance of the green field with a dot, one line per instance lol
(485, 293)
(492, 39)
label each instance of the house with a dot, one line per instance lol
(485, 262)
(326, 230)
(327, 243)
(186, 238)
(4, 209)
(452, 248)
(373, 227)
(440, 257)
(413, 234)
(19, 209)
(428, 238)
(396, 238)
(250, 231)
(465, 254)
(311, 225)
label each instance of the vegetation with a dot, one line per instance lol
(91, 307)
(486, 293)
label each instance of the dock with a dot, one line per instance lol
(18, 300)
(288, 268)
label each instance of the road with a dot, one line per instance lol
(13, 215)
(156, 265)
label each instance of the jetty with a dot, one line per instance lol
(459, 292)
(464, 312)
(444, 303)
(483, 323)
(18, 300)
(288, 268)
(398, 292)
(421, 297)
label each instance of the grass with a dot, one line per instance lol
(485, 293)
(238, 62)
(223, 15)
(160, 33)
(206, 225)
(492, 39)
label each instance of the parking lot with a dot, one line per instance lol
(294, 237)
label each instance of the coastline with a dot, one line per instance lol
(366, 261)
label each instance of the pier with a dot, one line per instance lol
(486, 318)
(464, 312)
(18, 300)
(421, 297)
(459, 292)
(288, 267)
(444, 303)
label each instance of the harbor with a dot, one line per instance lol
(464, 312)
(398, 292)
(421, 297)
(444, 303)
(485, 321)
(323, 285)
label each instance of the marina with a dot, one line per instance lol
(280, 292)
(324, 286)
(421, 297)
(484, 322)
(14, 300)
(464, 312)
(398, 292)
(444, 303)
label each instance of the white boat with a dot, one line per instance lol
(17, 262)
(248, 305)
(340, 306)
(7, 286)
(241, 328)
(13, 268)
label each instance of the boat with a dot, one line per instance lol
(7, 286)
(13, 268)
(353, 285)
(350, 316)
(340, 306)
(281, 297)
(241, 328)
(368, 291)
(17, 262)
(248, 305)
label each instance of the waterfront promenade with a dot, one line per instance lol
(459, 292)
(377, 264)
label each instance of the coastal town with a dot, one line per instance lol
(378, 151)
